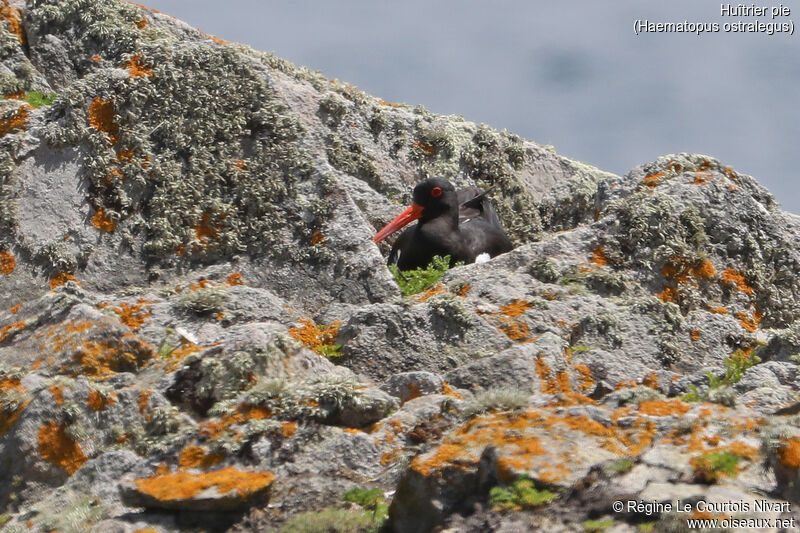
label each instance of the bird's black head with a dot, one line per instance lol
(436, 196)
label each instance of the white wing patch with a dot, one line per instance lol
(482, 258)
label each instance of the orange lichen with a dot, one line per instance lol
(61, 278)
(695, 334)
(464, 290)
(653, 179)
(132, 315)
(448, 391)
(103, 359)
(288, 429)
(413, 391)
(732, 276)
(98, 402)
(424, 147)
(514, 329)
(585, 379)
(7, 262)
(384, 102)
(430, 292)
(184, 485)
(663, 407)
(58, 394)
(651, 380)
(701, 178)
(599, 256)
(235, 279)
(176, 356)
(313, 335)
(7, 331)
(135, 67)
(101, 117)
(789, 453)
(750, 324)
(704, 270)
(198, 457)
(8, 419)
(56, 447)
(14, 310)
(16, 121)
(13, 17)
(144, 400)
(718, 310)
(516, 308)
(142, 22)
(205, 230)
(669, 294)
(103, 222)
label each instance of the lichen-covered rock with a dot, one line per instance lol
(193, 316)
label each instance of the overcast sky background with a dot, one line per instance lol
(571, 74)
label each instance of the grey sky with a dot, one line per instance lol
(571, 74)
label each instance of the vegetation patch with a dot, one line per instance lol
(319, 338)
(420, 279)
(522, 494)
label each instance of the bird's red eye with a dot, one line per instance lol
(436, 192)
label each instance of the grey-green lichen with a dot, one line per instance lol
(352, 159)
(199, 145)
(488, 163)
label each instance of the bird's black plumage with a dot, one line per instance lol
(462, 224)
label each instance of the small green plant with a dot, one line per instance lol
(580, 348)
(4, 518)
(522, 494)
(694, 395)
(420, 279)
(737, 364)
(647, 527)
(711, 466)
(735, 367)
(370, 500)
(596, 526)
(37, 99)
(619, 467)
(331, 351)
(165, 348)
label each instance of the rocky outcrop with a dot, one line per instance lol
(197, 331)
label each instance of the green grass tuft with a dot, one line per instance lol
(522, 494)
(420, 279)
(37, 99)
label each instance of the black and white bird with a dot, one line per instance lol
(462, 224)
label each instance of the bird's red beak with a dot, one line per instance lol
(409, 215)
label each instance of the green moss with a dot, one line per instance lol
(620, 466)
(420, 279)
(522, 494)
(596, 526)
(370, 500)
(38, 99)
